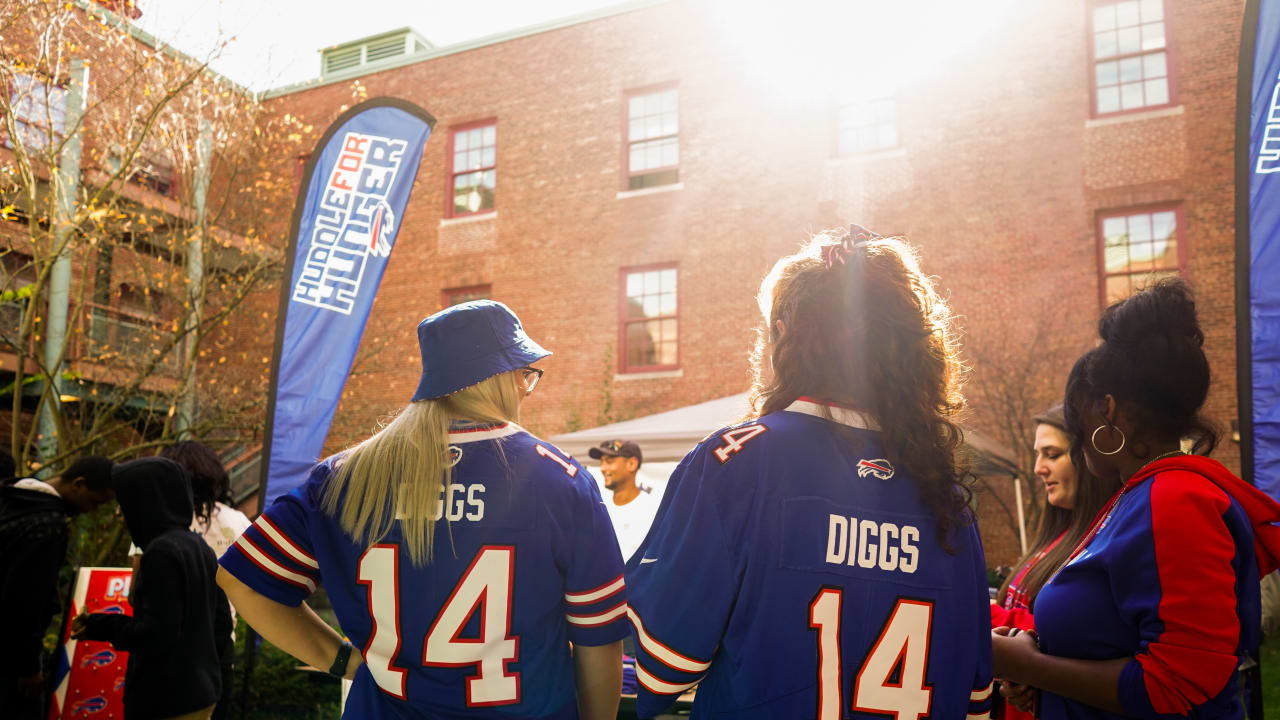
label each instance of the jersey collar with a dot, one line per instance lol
(843, 415)
(474, 432)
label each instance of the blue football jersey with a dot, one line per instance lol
(525, 562)
(792, 572)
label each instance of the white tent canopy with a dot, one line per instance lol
(669, 436)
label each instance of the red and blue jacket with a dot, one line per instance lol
(1170, 580)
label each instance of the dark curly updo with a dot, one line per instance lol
(1152, 362)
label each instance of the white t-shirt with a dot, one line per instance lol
(224, 527)
(631, 521)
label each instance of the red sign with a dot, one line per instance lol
(91, 673)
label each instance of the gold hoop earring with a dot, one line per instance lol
(1093, 439)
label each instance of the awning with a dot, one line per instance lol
(670, 435)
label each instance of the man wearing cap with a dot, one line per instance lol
(632, 507)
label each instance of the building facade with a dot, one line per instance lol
(622, 183)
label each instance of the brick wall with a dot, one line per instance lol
(1000, 177)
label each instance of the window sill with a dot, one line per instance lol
(446, 222)
(623, 194)
(653, 375)
(1134, 116)
(867, 156)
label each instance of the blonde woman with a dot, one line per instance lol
(463, 556)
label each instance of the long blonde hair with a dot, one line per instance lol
(400, 472)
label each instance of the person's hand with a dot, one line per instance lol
(79, 625)
(1012, 650)
(1022, 697)
(30, 686)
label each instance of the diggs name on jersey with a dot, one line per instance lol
(459, 502)
(869, 544)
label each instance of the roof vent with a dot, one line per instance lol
(372, 51)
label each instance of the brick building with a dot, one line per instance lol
(129, 212)
(623, 183)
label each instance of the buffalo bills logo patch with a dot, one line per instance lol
(879, 467)
(101, 658)
(93, 705)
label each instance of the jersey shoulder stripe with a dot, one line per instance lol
(661, 652)
(271, 567)
(278, 538)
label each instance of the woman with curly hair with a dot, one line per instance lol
(1157, 603)
(819, 558)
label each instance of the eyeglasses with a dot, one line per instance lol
(530, 376)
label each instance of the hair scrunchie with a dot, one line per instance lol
(840, 252)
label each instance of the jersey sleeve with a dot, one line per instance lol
(1185, 599)
(682, 581)
(982, 695)
(595, 591)
(274, 556)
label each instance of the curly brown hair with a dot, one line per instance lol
(870, 333)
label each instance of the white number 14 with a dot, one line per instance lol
(903, 645)
(485, 585)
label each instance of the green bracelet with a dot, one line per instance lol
(339, 666)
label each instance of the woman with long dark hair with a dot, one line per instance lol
(1073, 497)
(1158, 601)
(820, 556)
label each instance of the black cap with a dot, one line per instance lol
(616, 448)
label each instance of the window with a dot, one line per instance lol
(1138, 247)
(866, 125)
(649, 319)
(473, 168)
(455, 296)
(39, 111)
(653, 138)
(132, 328)
(1130, 56)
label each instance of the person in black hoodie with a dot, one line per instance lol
(33, 547)
(180, 616)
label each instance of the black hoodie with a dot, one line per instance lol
(33, 546)
(180, 615)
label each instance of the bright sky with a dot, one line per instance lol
(807, 47)
(270, 43)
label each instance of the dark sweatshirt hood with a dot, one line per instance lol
(154, 496)
(1263, 512)
(16, 502)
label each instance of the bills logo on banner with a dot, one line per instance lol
(89, 679)
(1258, 245)
(353, 223)
(349, 214)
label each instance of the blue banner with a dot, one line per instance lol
(1264, 247)
(349, 212)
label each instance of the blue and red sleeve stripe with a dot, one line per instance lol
(660, 669)
(1190, 646)
(279, 559)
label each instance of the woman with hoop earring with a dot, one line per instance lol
(1157, 602)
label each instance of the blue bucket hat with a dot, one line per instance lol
(470, 342)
